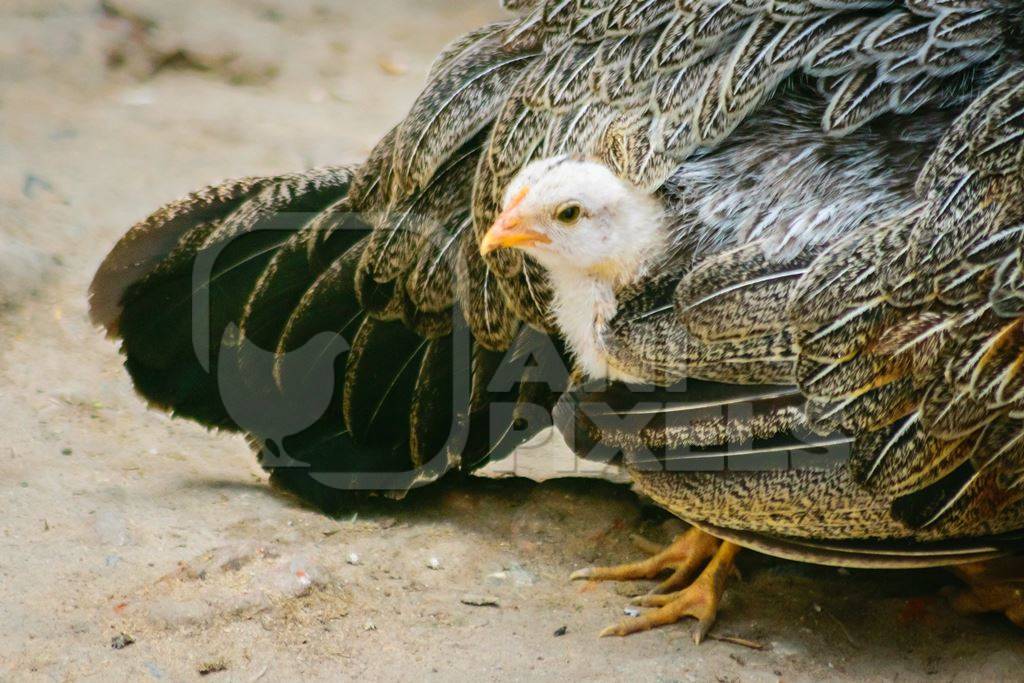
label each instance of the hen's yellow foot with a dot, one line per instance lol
(698, 600)
(684, 557)
(996, 586)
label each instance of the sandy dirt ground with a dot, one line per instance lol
(122, 527)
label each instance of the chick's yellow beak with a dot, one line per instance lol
(509, 230)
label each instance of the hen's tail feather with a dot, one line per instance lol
(236, 308)
(173, 317)
(294, 271)
(152, 241)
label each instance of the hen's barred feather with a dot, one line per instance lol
(844, 181)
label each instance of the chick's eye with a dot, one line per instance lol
(568, 213)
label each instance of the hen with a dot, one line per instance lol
(840, 278)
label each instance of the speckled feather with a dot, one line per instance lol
(894, 343)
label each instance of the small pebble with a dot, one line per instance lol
(392, 66)
(631, 612)
(353, 559)
(140, 97)
(434, 563)
(121, 641)
(561, 631)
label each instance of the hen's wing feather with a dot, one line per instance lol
(642, 86)
(897, 344)
(919, 334)
(902, 326)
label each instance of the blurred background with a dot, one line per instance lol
(136, 546)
